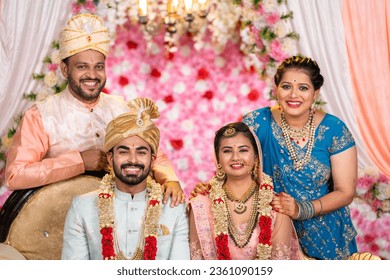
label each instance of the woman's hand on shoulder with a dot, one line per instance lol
(201, 188)
(173, 188)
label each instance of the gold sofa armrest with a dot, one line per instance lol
(363, 256)
(7, 252)
(37, 230)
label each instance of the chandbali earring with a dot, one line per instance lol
(255, 170)
(313, 107)
(220, 172)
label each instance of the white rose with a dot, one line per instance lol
(154, 48)
(259, 23)
(371, 171)
(179, 88)
(219, 62)
(55, 57)
(244, 89)
(50, 79)
(218, 105)
(199, 45)
(280, 29)
(202, 176)
(270, 5)
(386, 206)
(182, 164)
(174, 113)
(6, 142)
(289, 45)
(43, 94)
(145, 69)
(201, 85)
(185, 51)
(383, 191)
(187, 125)
(246, 36)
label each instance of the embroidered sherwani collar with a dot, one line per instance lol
(141, 196)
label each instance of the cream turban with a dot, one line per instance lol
(84, 32)
(137, 122)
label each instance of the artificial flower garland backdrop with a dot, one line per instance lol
(211, 78)
(203, 82)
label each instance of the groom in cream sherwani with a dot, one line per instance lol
(126, 218)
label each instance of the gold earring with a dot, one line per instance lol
(255, 171)
(313, 106)
(220, 172)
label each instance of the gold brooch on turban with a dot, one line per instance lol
(84, 32)
(137, 122)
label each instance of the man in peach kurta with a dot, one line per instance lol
(63, 136)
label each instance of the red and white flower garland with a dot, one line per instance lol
(107, 222)
(220, 217)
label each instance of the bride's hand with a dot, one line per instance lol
(285, 204)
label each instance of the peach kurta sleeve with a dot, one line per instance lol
(163, 170)
(27, 166)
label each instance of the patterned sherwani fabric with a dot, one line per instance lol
(82, 238)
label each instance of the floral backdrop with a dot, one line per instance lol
(370, 212)
(203, 80)
(195, 95)
(200, 80)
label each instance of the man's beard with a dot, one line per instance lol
(131, 180)
(84, 95)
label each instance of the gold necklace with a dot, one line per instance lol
(239, 203)
(299, 134)
(242, 239)
(298, 163)
(220, 218)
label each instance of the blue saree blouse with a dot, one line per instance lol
(328, 236)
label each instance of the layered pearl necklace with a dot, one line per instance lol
(299, 163)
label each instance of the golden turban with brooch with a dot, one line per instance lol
(137, 122)
(84, 32)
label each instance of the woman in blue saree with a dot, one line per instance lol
(312, 158)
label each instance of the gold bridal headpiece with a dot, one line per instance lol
(230, 132)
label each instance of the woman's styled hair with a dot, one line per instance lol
(306, 64)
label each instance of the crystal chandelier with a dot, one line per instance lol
(181, 16)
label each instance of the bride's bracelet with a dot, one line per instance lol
(305, 210)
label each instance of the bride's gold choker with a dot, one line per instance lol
(239, 203)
